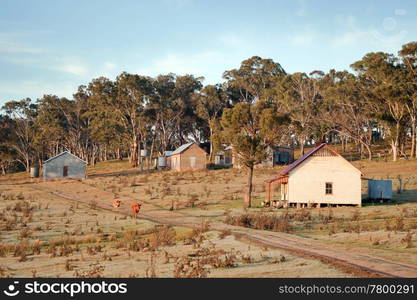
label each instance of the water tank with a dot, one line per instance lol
(162, 161)
(34, 172)
(380, 189)
(143, 152)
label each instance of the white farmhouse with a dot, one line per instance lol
(321, 176)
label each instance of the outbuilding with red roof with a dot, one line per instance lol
(320, 177)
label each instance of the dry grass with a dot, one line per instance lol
(63, 238)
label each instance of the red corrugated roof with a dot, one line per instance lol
(281, 179)
(302, 158)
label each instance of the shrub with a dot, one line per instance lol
(407, 240)
(261, 221)
(163, 235)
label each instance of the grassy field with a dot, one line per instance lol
(43, 234)
(47, 236)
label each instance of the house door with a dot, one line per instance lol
(65, 171)
(192, 161)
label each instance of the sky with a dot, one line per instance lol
(52, 47)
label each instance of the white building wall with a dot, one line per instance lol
(307, 181)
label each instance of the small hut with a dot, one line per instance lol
(278, 155)
(187, 157)
(224, 157)
(321, 176)
(64, 165)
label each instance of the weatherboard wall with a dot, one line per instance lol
(307, 182)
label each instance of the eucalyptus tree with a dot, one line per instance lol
(133, 93)
(253, 80)
(165, 110)
(22, 114)
(8, 155)
(408, 55)
(251, 129)
(381, 77)
(210, 102)
(51, 128)
(68, 115)
(347, 114)
(105, 126)
(301, 99)
(185, 88)
(173, 110)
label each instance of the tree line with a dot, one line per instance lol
(257, 105)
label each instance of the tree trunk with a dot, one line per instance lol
(301, 146)
(134, 152)
(395, 142)
(394, 148)
(413, 139)
(369, 152)
(27, 164)
(248, 198)
(211, 145)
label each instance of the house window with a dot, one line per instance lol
(65, 171)
(329, 188)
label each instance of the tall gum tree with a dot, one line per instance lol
(210, 102)
(132, 95)
(300, 97)
(380, 75)
(408, 55)
(251, 128)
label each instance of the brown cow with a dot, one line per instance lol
(116, 203)
(135, 209)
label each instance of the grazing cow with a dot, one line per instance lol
(135, 209)
(116, 203)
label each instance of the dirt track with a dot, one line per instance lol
(360, 265)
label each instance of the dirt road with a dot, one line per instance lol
(361, 265)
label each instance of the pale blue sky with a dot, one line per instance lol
(53, 46)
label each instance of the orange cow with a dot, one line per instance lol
(135, 207)
(116, 203)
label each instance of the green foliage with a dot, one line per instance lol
(259, 104)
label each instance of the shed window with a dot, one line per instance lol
(65, 171)
(329, 188)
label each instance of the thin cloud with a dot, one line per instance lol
(74, 68)
(13, 48)
(303, 38)
(389, 38)
(14, 89)
(195, 64)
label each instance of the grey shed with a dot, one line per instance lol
(380, 189)
(64, 165)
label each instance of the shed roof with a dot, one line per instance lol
(62, 153)
(181, 149)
